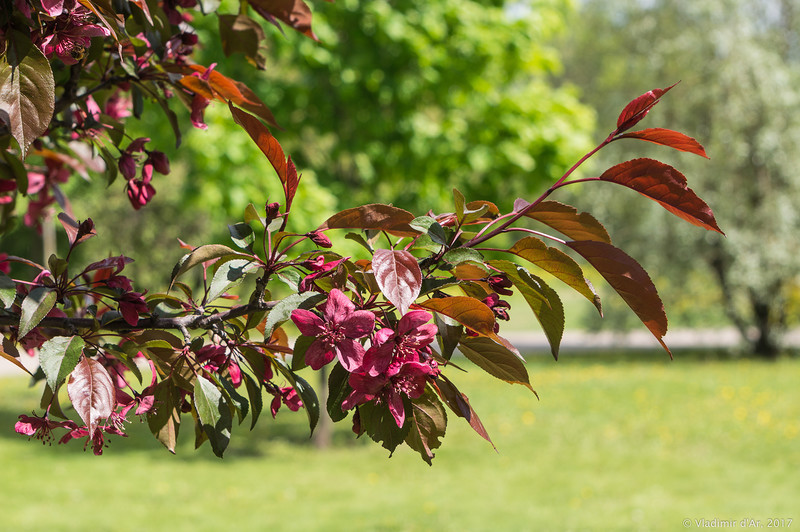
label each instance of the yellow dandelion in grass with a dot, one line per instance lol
(763, 418)
(528, 418)
(791, 430)
(740, 413)
(728, 393)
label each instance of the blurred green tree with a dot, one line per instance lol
(405, 100)
(739, 61)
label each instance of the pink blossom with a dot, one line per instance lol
(40, 428)
(140, 193)
(405, 343)
(336, 332)
(199, 104)
(131, 305)
(287, 396)
(5, 266)
(118, 105)
(401, 379)
(70, 35)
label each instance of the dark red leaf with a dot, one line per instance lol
(375, 216)
(428, 425)
(268, 144)
(630, 281)
(638, 108)
(459, 403)
(292, 180)
(667, 186)
(398, 276)
(567, 220)
(294, 13)
(668, 137)
(91, 391)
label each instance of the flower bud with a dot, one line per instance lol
(160, 162)
(127, 166)
(319, 239)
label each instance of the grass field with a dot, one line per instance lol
(634, 443)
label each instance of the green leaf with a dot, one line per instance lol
(301, 345)
(256, 399)
(229, 274)
(27, 96)
(558, 264)
(283, 310)
(543, 301)
(456, 256)
(251, 214)
(459, 403)
(214, 413)
(426, 224)
(237, 401)
(496, 360)
(208, 6)
(338, 390)
(200, 255)
(9, 352)
(58, 356)
(379, 424)
(35, 307)
(165, 420)
(428, 424)
(8, 290)
(242, 235)
(305, 391)
(449, 334)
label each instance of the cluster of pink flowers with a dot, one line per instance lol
(397, 364)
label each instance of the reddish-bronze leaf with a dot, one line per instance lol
(638, 108)
(567, 220)
(27, 95)
(398, 276)
(222, 88)
(668, 137)
(294, 13)
(467, 311)
(292, 180)
(459, 403)
(630, 281)
(555, 262)
(376, 216)
(92, 393)
(496, 360)
(268, 144)
(667, 186)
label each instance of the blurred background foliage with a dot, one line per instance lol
(737, 61)
(402, 102)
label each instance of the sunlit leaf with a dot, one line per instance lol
(165, 420)
(215, 415)
(58, 356)
(638, 108)
(294, 13)
(667, 137)
(630, 281)
(229, 274)
(667, 186)
(496, 360)
(428, 425)
(375, 216)
(467, 311)
(200, 255)
(34, 308)
(92, 393)
(543, 301)
(27, 96)
(567, 220)
(267, 143)
(459, 403)
(9, 352)
(556, 263)
(8, 290)
(398, 276)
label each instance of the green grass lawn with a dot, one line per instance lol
(638, 443)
